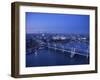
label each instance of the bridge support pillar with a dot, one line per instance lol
(72, 55)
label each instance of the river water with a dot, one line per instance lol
(45, 57)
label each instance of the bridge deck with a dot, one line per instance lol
(69, 51)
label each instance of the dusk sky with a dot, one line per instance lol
(56, 23)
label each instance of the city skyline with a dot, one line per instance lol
(56, 23)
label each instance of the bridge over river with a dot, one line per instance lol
(72, 51)
(50, 54)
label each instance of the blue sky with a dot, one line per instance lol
(56, 23)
